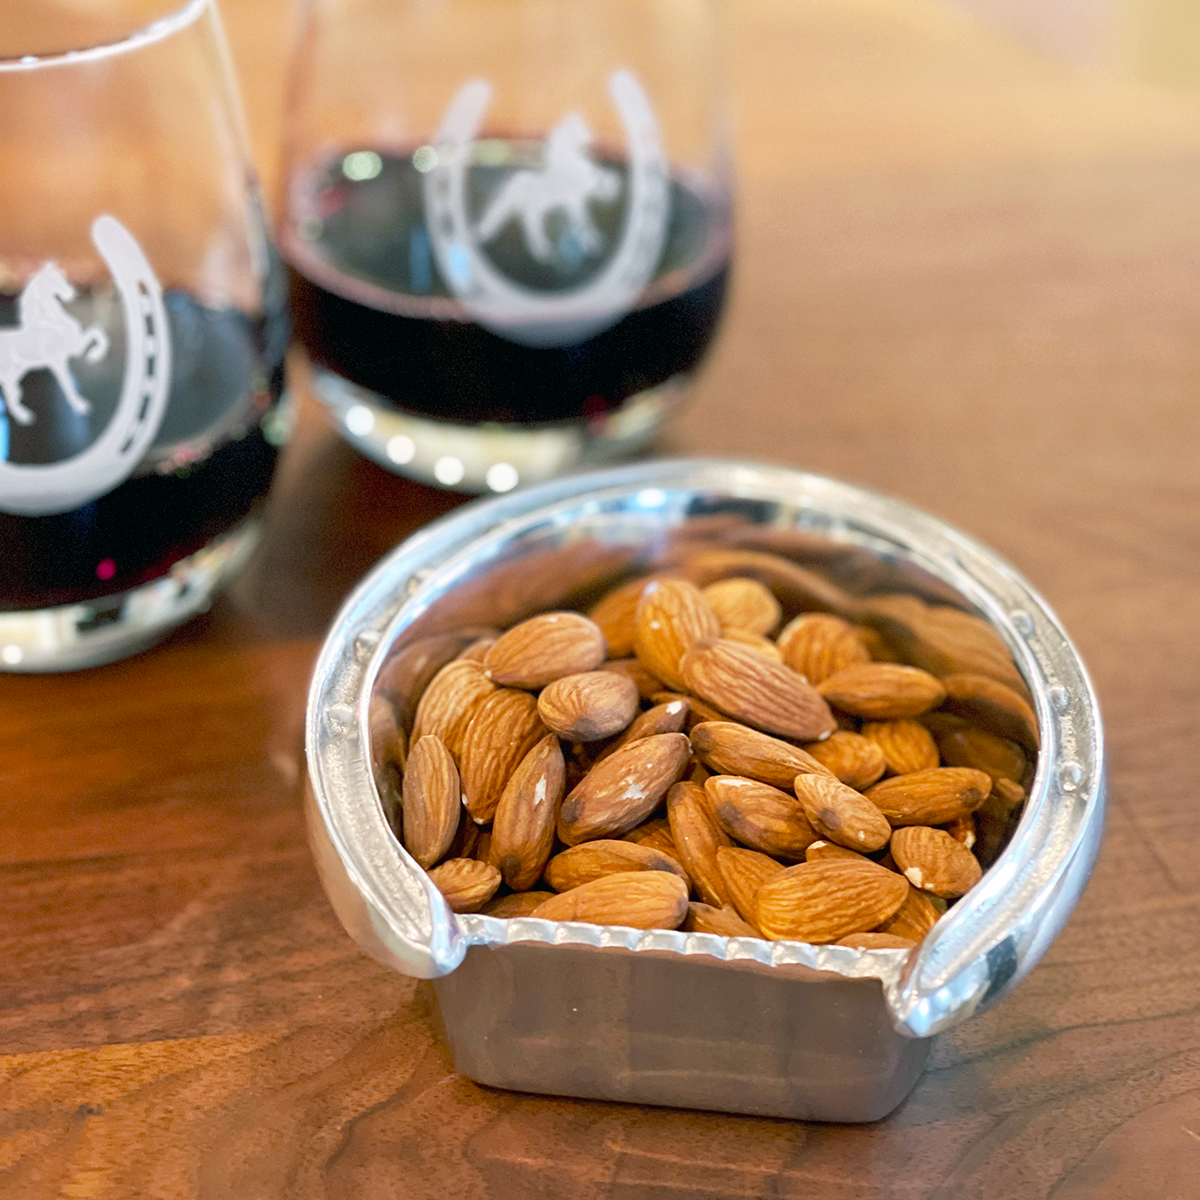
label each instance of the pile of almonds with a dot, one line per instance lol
(677, 759)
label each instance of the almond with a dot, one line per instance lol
(450, 701)
(760, 816)
(733, 749)
(743, 604)
(593, 860)
(615, 613)
(645, 683)
(824, 849)
(672, 616)
(876, 941)
(962, 829)
(930, 797)
(724, 922)
(697, 710)
(995, 707)
(969, 746)
(934, 862)
(914, 918)
(883, 691)
(517, 904)
(526, 816)
(466, 883)
(503, 730)
(640, 899)
(589, 706)
(765, 694)
(545, 648)
(823, 901)
(854, 759)
(755, 641)
(841, 814)
(698, 837)
(477, 650)
(619, 792)
(662, 718)
(745, 871)
(432, 801)
(657, 835)
(818, 644)
(906, 745)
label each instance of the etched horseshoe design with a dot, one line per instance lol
(520, 314)
(44, 489)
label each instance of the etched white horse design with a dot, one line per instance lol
(46, 336)
(568, 181)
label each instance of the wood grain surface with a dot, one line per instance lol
(967, 276)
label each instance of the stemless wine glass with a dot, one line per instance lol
(507, 224)
(142, 331)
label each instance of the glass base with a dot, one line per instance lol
(72, 636)
(490, 457)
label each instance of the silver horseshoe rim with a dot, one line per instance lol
(41, 490)
(520, 314)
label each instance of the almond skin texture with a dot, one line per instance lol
(645, 683)
(640, 899)
(732, 749)
(824, 849)
(672, 616)
(432, 801)
(657, 835)
(545, 648)
(970, 747)
(618, 793)
(914, 918)
(883, 691)
(993, 706)
(760, 816)
(906, 746)
(518, 904)
(698, 837)
(590, 706)
(818, 644)
(755, 641)
(876, 941)
(697, 712)
(504, 729)
(764, 694)
(662, 718)
(593, 860)
(466, 883)
(842, 815)
(820, 902)
(743, 604)
(745, 871)
(934, 862)
(962, 829)
(704, 918)
(523, 830)
(615, 613)
(854, 759)
(931, 797)
(450, 701)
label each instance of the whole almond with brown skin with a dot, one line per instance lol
(698, 837)
(545, 648)
(743, 604)
(854, 759)
(824, 849)
(516, 904)
(639, 899)
(934, 862)
(930, 797)
(972, 747)
(432, 801)
(505, 727)
(876, 941)
(450, 702)
(672, 616)
(995, 707)
(662, 718)
(764, 694)
(745, 871)
(906, 745)
(724, 922)
(823, 901)
(590, 706)
(732, 749)
(581, 864)
(818, 644)
(615, 613)
(841, 814)
(656, 834)
(645, 683)
(466, 883)
(760, 816)
(619, 792)
(883, 691)
(914, 918)
(523, 830)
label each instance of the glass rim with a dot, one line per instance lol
(156, 31)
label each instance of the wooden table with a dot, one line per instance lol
(967, 276)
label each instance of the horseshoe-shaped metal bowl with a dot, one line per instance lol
(688, 1019)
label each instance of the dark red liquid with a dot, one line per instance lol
(424, 361)
(214, 461)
